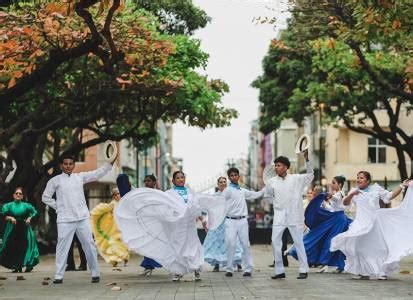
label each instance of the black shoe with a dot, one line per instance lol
(81, 268)
(278, 276)
(216, 268)
(272, 265)
(28, 269)
(302, 275)
(228, 274)
(95, 279)
(58, 281)
(246, 274)
(70, 268)
(239, 268)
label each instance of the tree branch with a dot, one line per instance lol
(381, 82)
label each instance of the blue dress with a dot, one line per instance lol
(215, 252)
(323, 225)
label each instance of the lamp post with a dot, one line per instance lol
(160, 168)
(320, 143)
(145, 165)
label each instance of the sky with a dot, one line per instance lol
(236, 46)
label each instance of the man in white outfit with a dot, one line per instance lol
(73, 213)
(236, 222)
(284, 192)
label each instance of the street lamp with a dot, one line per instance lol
(320, 141)
(160, 168)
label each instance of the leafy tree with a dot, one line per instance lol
(353, 58)
(155, 79)
(176, 17)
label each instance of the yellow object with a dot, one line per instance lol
(107, 235)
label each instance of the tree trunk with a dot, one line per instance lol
(402, 163)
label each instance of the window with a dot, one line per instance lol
(376, 151)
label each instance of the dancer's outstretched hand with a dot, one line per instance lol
(305, 153)
(407, 182)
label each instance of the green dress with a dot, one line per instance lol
(19, 248)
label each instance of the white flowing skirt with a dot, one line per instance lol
(377, 239)
(160, 226)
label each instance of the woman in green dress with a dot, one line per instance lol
(19, 248)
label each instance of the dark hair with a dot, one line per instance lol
(123, 183)
(19, 188)
(366, 174)
(232, 170)
(176, 173)
(221, 177)
(151, 177)
(340, 180)
(67, 156)
(284, 160)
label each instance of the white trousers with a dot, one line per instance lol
(65, 233)
(238, 229)
(296, 232)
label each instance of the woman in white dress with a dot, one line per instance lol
(215, 250)
(162, 225)
(193, 251)
(378, 238)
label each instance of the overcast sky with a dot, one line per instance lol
(236, 47)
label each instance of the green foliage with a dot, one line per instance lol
(314, 63)
(176, 17)
(350, 59)
(156, 79)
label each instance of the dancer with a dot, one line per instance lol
(19, 248)
(214, 243)
(107, 235)
(284, 191)
(73, 213)
(325, 218)
(179, 188)
(236, 223)
(148, 263)
(378, 238)
(162, 225)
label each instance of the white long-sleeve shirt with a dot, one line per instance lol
(70, 203)
(236, 200)
(336, 202)
(286, 196)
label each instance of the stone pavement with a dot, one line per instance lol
(213, 286)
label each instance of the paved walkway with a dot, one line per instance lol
(213, 286)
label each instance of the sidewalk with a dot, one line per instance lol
(213, 286)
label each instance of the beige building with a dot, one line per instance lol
(348, 152)
(342, 151)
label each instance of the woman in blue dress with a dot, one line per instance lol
(214, 244)
(325, 218)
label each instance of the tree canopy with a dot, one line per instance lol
(353, 59)
(67, 69)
